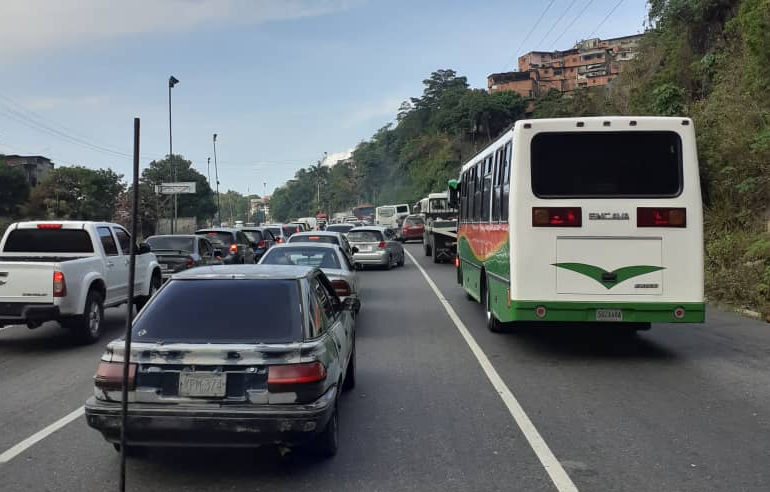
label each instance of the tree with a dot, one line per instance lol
(201, 204)
(14, 191)
(77, 192)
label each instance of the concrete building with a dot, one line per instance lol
(35, 167)
(590, 63)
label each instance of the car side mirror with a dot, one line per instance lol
(354, 249)
(144, 248)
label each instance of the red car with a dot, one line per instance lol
(413, 227)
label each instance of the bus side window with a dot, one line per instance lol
(486, 197)
(478, 176)
(496, 186)
(507, 156)
(461, 201)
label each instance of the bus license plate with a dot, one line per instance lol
(609, 315)
(202, 384)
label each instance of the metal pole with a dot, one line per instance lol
(171, 152)
(216, 176)
(129, 310)
(208, 173)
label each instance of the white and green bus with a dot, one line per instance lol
(584, 220)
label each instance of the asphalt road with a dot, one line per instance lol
(678, 408)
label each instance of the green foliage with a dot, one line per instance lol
(77, 192)
(433, 136)
(668, 100)
(201, 204)
(14, 191)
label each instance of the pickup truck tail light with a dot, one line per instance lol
(557, 217)
(283, 374)
(661, 217)
(59, 285)
(49, 226)
(234, 248)
(109, 376)
(341, 288)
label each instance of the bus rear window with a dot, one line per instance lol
(48, 241)
(606, 164)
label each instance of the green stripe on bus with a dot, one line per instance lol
(598, 273)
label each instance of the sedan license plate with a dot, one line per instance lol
(202, 384)
(609, 315)
(365, 247)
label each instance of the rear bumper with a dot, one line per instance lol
(13, 313)
(411, 235)
(378, 258)
(632, 312)
(202, 425)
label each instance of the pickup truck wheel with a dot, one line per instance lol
(435, 256)
(140, 301)
(327, 442)
(87, 328)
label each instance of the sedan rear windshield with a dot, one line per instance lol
(275, 230)
(172, 243)
(607, 164)
(219, 237)
(303, 256)
(314, 239)
(365, 236)
(289, 230)
(223, 311)
(414, 221)
(339, 228)
(48, 241)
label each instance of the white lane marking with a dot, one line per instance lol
(552, 466)
(39, 436)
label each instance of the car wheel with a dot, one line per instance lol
(390, 263)
(327, 442)
(140, 301)
(402, 260)
(493, 324)
(350, 374)
(435, 256)
(87, 328)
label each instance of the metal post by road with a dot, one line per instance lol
(216, 176)
(172, 81)
(208, 173)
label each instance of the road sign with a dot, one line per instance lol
(175, 188)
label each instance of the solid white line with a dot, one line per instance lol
(552, 466)
(39, 436)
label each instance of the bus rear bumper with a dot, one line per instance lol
(595, 311)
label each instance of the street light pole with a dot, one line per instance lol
(172, 81)
(216, 176)
(208, 173)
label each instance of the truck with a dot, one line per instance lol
(70, 271)
(440, 234)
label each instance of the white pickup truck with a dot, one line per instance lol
(70, 271)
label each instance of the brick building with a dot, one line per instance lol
(590, 63)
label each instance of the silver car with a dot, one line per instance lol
(330, 258)
(374, 245)
(329, 237)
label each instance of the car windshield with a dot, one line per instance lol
(243, 310)
(171, 243)
(254, 236)
(414, 221)
(365, 236)
(304, 238)
(302, 256)
(48, 241)
(224, 238)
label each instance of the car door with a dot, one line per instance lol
(115, 269)
(142, 261)
(350, 266)
(394, 246)
(244, 245)
(269, 238)
(335, 316)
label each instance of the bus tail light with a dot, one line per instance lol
(557, 217)
(679, 313)
(661, 217)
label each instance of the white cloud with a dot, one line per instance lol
(385, 109)
(31, 26)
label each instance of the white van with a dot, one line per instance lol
(385, 216)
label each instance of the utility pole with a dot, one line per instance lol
(216, 176)
(208, 172)
(172, 81)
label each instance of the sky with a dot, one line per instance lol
(279, 81)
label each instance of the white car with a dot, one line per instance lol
(70, 271)
(330, 258)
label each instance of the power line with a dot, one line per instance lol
(575, 19)
(557, 22)
(605, 19)
(526, 38)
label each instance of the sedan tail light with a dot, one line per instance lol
(557, 217)
(341, 288)
(261, 244)
(59, 285)
(382, 245)
(109, 376)
(279, 240)
(308, 372)
(234, 249)
(661, 217)
(190, 262)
